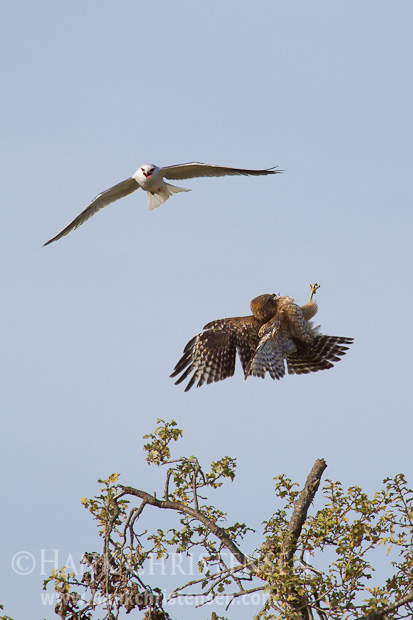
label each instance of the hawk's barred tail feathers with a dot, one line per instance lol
(268, 358)
(270, 354)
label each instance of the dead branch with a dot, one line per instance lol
(301, 506)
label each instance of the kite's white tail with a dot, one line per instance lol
(155, 199)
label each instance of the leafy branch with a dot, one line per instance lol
(290, 568)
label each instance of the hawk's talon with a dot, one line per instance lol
(313, 288)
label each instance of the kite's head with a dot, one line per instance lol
(147, 176)
(147, 170)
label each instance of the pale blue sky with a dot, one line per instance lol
(94, 324)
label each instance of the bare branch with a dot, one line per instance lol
(301, 506)
(168, 476)
(194, 485)
(136, 514)
(179, 507)
(244, 593)
(300, 602)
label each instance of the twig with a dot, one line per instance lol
(244, 593)
(194, 476)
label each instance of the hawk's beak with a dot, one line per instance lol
(148, 174)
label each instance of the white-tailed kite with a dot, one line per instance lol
(151, 178)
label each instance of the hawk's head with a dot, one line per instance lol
(264, 307)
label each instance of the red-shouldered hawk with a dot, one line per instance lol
(278, 330)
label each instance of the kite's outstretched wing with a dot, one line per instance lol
(197, 169)
(102, 200)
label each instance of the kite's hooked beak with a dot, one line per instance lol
(148, 174)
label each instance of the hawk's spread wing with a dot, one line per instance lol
(197, 169)
(210, 356)
(317, 355)
(102, 200)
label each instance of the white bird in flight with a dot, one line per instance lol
(151, 179)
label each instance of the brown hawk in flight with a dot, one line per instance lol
(277, 330)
